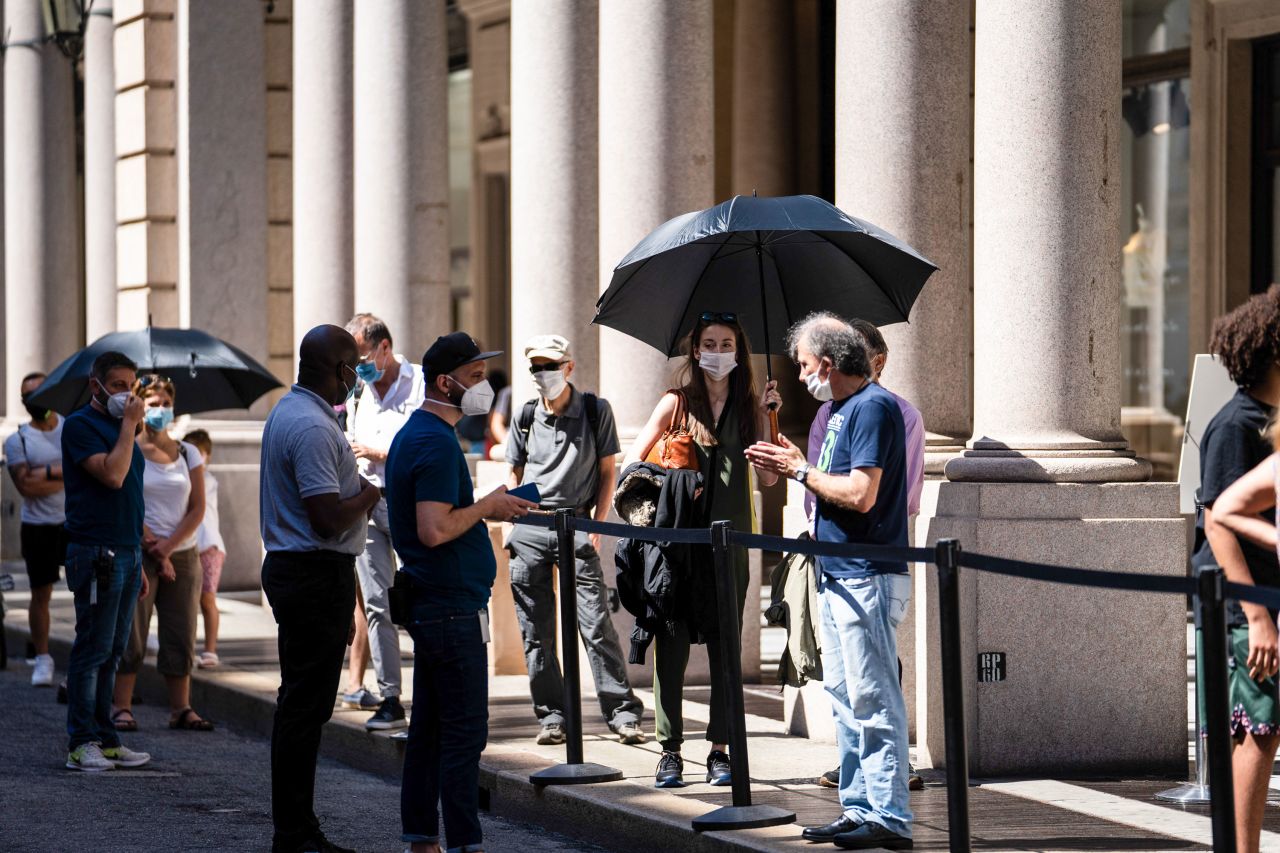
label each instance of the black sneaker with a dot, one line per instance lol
(830, 779)
(670, 772)
(718, 771)
(390, 715)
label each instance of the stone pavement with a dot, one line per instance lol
(200, 792)
(1027, 814)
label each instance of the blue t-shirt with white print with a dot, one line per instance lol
(865, 431)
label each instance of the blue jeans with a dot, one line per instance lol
(448, 730)
(860, 663)
(104, 614)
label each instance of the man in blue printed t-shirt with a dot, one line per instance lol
(861, 485)
(438, 530)
(102, 471)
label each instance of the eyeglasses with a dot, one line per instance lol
(535, 369)
(718, 317)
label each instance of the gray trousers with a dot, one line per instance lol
(376, 569)
(533, 552)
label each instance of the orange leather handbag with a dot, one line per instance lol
(675, 449)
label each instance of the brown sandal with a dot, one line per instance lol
(188, 720)
(129, 725)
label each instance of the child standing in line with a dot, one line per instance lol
(213, 552)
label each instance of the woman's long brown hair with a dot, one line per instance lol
(742, 389)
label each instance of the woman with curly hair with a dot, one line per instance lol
(1247, 343)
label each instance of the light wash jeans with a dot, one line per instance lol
(376, 571)
(860, 662)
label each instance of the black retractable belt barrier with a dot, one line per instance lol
(1211, 600)
(947, 553)
(742, 814)
(1210, 590)
(574, 771)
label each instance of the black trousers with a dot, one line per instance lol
(312, 596)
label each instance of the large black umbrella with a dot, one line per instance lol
(207, 373)
(770, 260)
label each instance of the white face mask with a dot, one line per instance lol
(476, 400)
(818, 387)
(551, 383)
(718, 365)
(115, 403)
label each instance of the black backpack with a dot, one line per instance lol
(590, 402)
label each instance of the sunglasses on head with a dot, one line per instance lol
(535, 369)
(718, 317)
(147, 381)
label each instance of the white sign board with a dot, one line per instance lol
(1211, 388)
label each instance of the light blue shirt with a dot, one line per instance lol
(304, 454)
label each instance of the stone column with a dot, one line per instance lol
(430, 300)
(902, 102)
(1046, 259)
(43, 319)
(100, 173)
(322, 132)
(1047, 428)
(401, 156)
(763, 102)
(222, 177)
(658, 139)
(554, 187)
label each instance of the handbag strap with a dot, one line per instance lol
(680, 416)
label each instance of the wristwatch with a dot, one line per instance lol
(802, 473)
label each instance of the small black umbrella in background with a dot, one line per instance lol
(770, 260)
(208, 374)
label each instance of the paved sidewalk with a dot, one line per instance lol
(631, 814)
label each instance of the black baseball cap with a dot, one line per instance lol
(450, 352)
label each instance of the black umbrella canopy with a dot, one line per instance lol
(208, 374)
(770, 260)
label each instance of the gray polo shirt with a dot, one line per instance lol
(561, 454)
(305, 454)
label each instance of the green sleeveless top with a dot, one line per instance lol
(728, 474)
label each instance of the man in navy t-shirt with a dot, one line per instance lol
(102, 469)
(860, 482)
(438, 530)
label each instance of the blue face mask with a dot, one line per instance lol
(158, 417)
(368, 372)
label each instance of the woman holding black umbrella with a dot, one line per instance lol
(724, 413)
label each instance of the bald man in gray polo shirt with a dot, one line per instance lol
(565, 442)
(314, 508)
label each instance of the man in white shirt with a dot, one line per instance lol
(33, 455)
(393, 389)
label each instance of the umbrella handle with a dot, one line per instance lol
(773, 425)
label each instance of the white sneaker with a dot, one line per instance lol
(89, 758)
(123, 756)
(42, 675)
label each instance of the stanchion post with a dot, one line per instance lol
(575, 771)
(946, 557)
(1211, 602)
(568, 567)
(742, 814)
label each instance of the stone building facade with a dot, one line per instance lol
(255, 167)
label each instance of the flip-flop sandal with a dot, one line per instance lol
(188, 720)
(129, 725)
